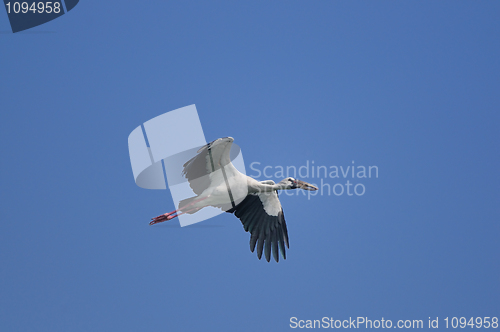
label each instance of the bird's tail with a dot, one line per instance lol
(186, 205)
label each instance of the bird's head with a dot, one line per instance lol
(292, 183)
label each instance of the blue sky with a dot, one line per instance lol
(411, 87)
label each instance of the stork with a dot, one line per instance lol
(216, 182)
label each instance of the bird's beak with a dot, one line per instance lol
(306, 186)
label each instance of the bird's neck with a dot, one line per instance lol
(281, 186)
(267, 188)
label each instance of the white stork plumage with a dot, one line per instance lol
(216, 182)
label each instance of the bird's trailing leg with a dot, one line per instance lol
(163, 217)
(168, 216)
(171, 215)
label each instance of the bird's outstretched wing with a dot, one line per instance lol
(209, 159)
(261, 215)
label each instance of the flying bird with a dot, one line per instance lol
(216, 182)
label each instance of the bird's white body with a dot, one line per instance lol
(218, 194)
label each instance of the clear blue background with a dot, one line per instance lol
(412, 87)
